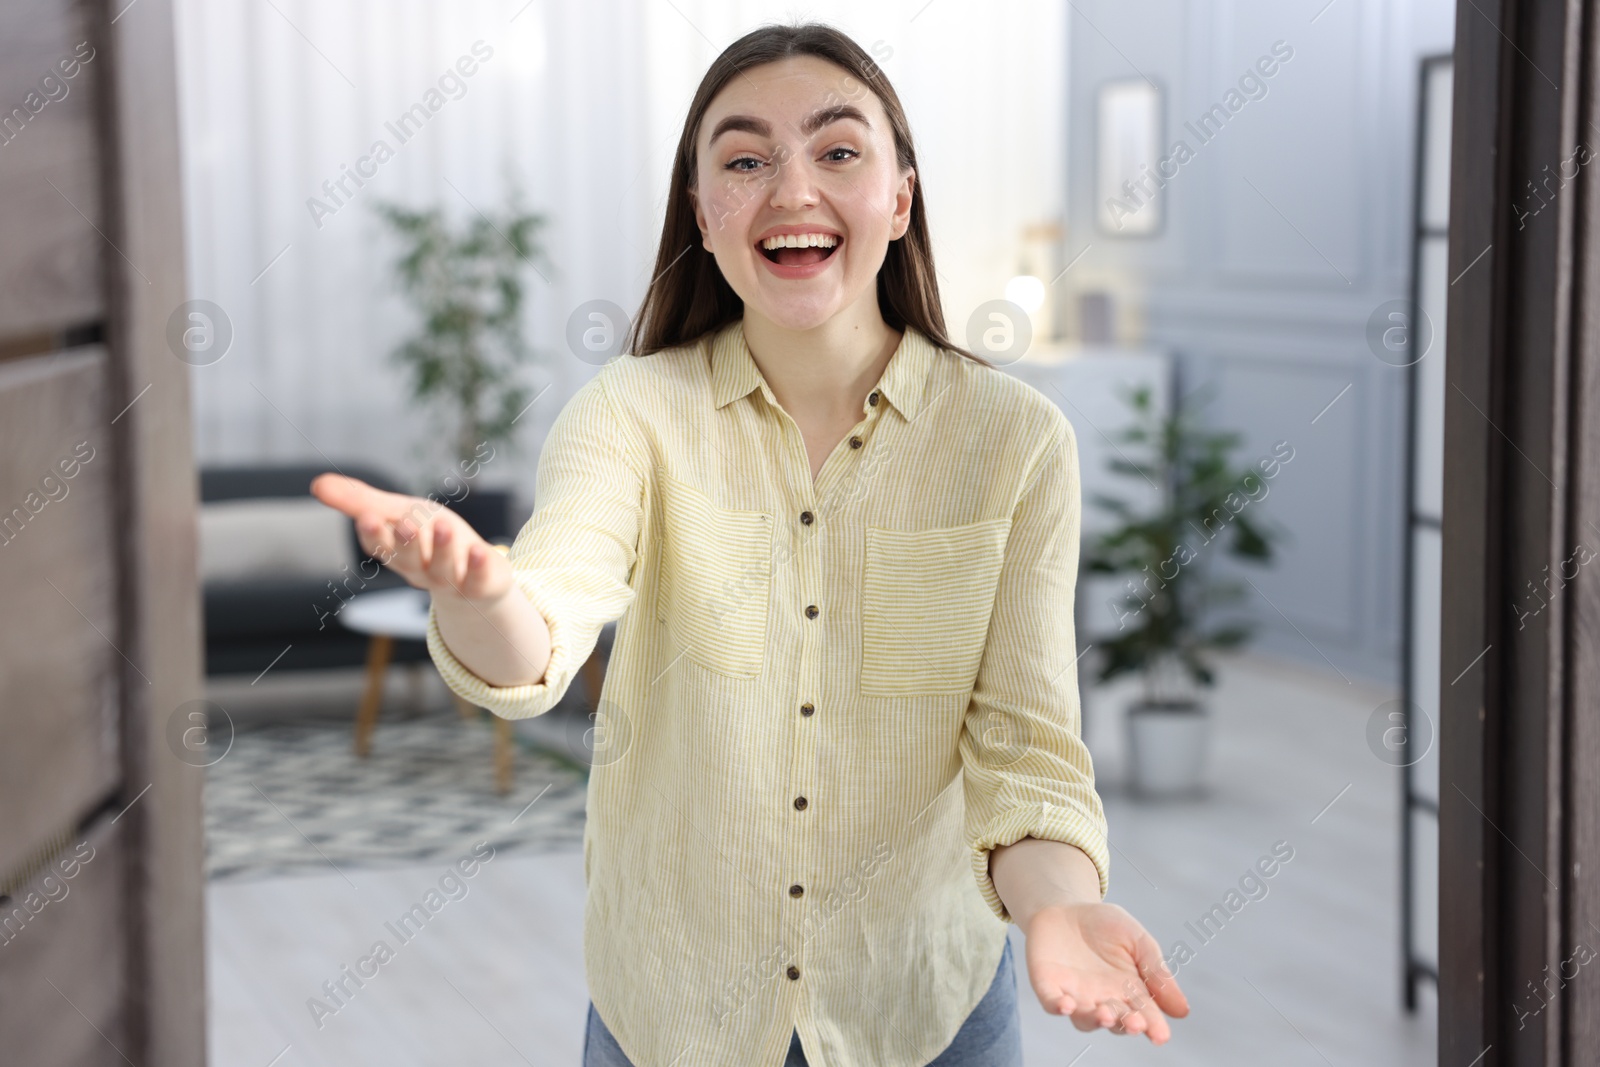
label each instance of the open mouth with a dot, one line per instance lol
(800, 251)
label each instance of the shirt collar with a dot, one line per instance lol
(904, 381)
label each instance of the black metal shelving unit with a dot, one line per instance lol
(1419, 610)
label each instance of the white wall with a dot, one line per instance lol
(1283, 233)
(585, 102)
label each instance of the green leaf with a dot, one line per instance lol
(1205, 496)
(465, 286)
(1228, 636)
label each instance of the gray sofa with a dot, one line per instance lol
(250, 621)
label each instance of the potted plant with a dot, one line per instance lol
(465, 283)
(1164, 632)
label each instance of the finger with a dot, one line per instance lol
(425, 532)
(376, 537)
(445, 565)
(484, 578)
(349, 495)
(406, 515)
(1079, 998)
(472, 572)
(1158, 979)
(1054, 995)
(1112, 1013)
(1156, 1026)
(1093, 1002)
(1144, 1015)
(1085, 1018)
(411, 530)
(398, 555)
(408, 555)
(1130, 1019)
(1099, 1015)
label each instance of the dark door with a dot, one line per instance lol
(101, 921)
(1519, 796)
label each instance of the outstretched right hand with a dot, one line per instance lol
(424, 542)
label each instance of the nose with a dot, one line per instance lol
(793, 186)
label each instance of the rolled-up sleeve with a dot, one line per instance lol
(1027, 771)
(574, 557)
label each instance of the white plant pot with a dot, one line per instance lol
(1168, 748)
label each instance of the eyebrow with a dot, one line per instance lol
(812, 123)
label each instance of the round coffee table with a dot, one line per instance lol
(403, 613)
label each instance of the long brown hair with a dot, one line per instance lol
(688, 296)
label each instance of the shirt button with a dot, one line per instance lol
(811, 611)
(805, 517)
(799, 803)
(873, 399)
(855, 442)
(793, 972)
(806, 708)
(796, 890)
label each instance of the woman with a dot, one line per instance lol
(853, 548)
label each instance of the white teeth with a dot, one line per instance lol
(801, 240)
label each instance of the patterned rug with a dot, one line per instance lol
(293, 798)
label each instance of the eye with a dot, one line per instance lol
(830, 152)
(733, 164)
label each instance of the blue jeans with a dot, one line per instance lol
(991, 1036)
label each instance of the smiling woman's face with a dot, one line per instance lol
(799, 150)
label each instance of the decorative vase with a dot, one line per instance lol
(1168, 746)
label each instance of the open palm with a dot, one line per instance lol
(1096, 963)
(424, 542)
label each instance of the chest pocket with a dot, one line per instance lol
(716, 580)
(926, 597)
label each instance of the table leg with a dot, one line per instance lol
(379, 650)
(502, 753)
(414, 680)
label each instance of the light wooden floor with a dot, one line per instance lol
(1306, 975)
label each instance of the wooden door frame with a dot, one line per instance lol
(1520, 691)
(158, 602)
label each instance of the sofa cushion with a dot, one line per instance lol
(292, 608)
(273, 537)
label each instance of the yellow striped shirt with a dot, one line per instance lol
(775, 837)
